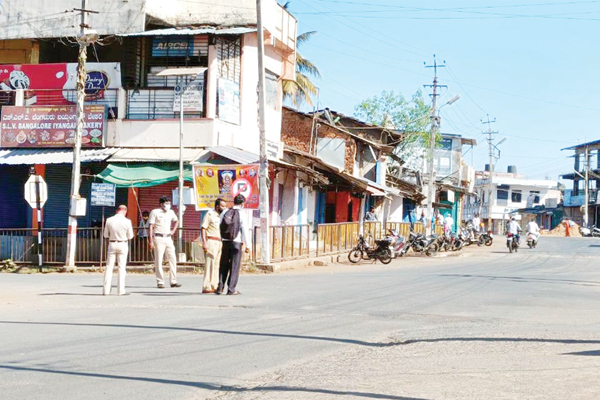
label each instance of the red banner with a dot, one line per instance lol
(52, 126)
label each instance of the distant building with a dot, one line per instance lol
(511, 192)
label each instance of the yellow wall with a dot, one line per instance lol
(19, 52)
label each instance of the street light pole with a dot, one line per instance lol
(264, 166)
(181, 205)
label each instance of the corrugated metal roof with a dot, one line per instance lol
(234, 154)
(51, 156)
(156, 155)
(192, 31)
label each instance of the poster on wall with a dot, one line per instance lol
(225, 181)
(50, 126)
(228, 100)
(56, 84)
(193, 95)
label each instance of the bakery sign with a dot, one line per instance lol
(50, 126)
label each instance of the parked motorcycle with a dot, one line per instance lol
(532, 240)
(486, 238)
(592, 231)
(381, 251)
(419, 244)
(397, 242)
(512, 242)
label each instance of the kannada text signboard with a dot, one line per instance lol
(104, 194)
(50, 126)
(214, 181)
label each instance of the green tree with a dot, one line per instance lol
(300, 90)
(393, 111)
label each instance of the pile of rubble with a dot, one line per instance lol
(561, 229)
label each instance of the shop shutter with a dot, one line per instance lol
(56, 210)
(14, 210)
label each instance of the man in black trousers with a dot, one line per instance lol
(233, 236)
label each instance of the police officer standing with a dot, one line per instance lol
(119, 232)
(161, 240)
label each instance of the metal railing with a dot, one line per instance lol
(155, 103)
(20, 245)
(337, 237)
(56, 97)
(288, 242)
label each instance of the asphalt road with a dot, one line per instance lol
(488, 325)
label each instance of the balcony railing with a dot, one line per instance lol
(155, 103)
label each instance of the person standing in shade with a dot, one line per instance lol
(211, 244)
(370, 215)
(233, 236)
(119, 231)
(143, 251)
(163, 225)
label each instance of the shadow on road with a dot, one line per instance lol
(212, 386)
(200, 330)
(492, 339)
(522, 279)
(593, 353)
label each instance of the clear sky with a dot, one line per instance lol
(531, 65)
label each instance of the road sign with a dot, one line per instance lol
(36, 191)
(241, 186)
(104, 194)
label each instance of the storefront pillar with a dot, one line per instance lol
(133, 212)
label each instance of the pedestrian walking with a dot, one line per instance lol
(233, 236)
(211, 244)
(119, 231)
(163, 225)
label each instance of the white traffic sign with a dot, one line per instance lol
(241, 186)
(36, 191)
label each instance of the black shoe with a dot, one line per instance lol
(233, 293)
(160, 285)
(175, 284)
(219, 290)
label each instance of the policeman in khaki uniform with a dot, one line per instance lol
(211, 244)
(161, 240)
(119, 232)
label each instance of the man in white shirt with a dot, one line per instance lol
(532, 227)
(119, 232)
(514, 228)
(161, 232)
(234, 242)
(477, 223)
(448, 224)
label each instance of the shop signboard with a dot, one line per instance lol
(104, 194)
(193, 95)
(50, 126)
(172, 46)
(228, 97)
(225, 181)
(56, 83)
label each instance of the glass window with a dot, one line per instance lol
(536, 196)
(502, 194)
(516, 196)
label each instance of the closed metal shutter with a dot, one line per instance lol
(148, 200)
(56, 210)
(14, 210)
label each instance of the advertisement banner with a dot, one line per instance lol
(50, 126)
(55, 84)
(225, 181)
(104, 194)
(228, 101)
(172, 46)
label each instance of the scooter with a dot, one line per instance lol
(532, 240)
(381, 251)
(397, 243)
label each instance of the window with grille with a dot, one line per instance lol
(228, 56)
(516, 196)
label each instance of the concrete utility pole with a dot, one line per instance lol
(264, 165)
(490, 140)
(434, 126)
(86, 37)
(586, 208)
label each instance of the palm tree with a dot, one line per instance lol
(301, 89)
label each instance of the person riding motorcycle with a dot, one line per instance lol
(533, 229)
(514, 229)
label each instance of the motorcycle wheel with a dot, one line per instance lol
(510, 247)
(355, 256)
(431, 250)
(386, 257)
(530, 245)
(488, 242)
(480, 242)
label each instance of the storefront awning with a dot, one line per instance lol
(51, 156)
(156, 155)
(234, 154)
(192, 31)
(142, 175)
(300, 168)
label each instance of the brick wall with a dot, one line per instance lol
(296, 130)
